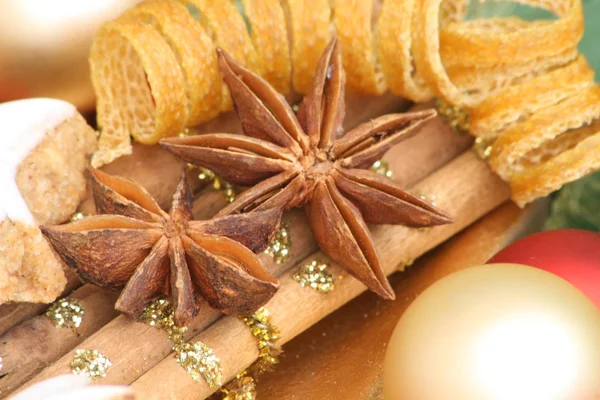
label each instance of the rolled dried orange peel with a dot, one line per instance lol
(140, 87)
(497, 112)
(155, 70)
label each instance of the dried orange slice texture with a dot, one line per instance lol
(194, 50)
(519, 102)
(270, 37)
(511, 150)
(395, 50)
(485, 42)
(544, 178)
(225, 25)
(309, 23)
(352, 20)
(140, 86)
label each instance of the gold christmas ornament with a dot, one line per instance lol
(45, 45)
(496, 332)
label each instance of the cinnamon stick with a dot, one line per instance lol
(410, 161)
(466, 188)
(27, 348)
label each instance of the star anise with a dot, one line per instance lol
(305, 161)
(151, 253)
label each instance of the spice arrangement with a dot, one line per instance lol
(208, 239)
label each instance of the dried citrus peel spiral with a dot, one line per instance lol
(566, 167)
(546, 125)
(435, 50)
(352, 20)
(521, 82)
(518, 102)
(141, 85)
(395, 50)
(270, 38)
(194, 50)
(511, 40)
(225, 25)
(311, 31)
(487, 82)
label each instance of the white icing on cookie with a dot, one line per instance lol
(23, 125)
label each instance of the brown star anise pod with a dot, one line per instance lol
(151, 253)
(306, 161)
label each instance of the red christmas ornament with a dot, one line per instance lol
(571, 254)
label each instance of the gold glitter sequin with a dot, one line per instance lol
(267, 335)
(197, 358)
(483, 147)
(431, 198)
(207, 176)
(402, 265)
(458, 118)
(243, 387)
(315, 276)
(66, 313)
(200, 362)
(90, 363)
(279, 248)
(76, 217)
(184, 133)
(159, 314)
(382, 167)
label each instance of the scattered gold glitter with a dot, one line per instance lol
(243, 387)
(483, 148)
(159, 314)
(66, 313)
(267, 334)
(77, 216)
(200, 362)
(184, 133)
(90, 363)
(458, 118)
(316, 276)
(279, 248)
(402, 265)
(430, 198)
(207, 176)
(382, 167)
